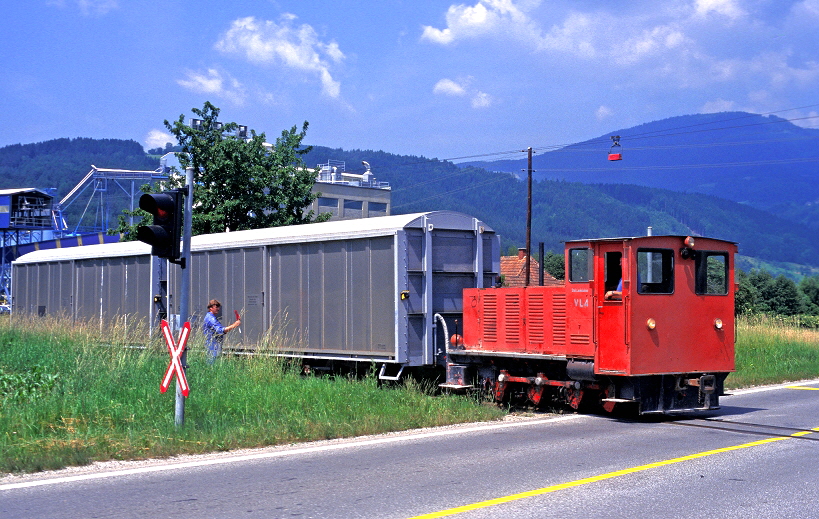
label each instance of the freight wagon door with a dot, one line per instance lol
(612, 306)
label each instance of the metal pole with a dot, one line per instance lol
(184, 306)
(529, 219)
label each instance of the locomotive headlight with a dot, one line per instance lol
(689, 242)
(718, 323)
(651, 323)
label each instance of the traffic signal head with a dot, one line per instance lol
(166, 232)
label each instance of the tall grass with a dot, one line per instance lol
(71, 394)
(104, 402)
(772, 350)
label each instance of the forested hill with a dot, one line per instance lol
(562, 210)
(763, 161)
(62, 163)
(572, 210)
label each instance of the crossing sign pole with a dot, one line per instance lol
(185, 289)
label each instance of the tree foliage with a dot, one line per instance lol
(555, 265)
(240, 183)
(760, 292)
(128, 220)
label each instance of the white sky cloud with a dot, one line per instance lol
(295, 47)
(811, 120)
(448, 87)
(487, 17)
(462, 88)
(673, 43)
(717, 105)
(158, 139)
(540, 69)
(808, 8)
(575, 36)
(481, 100)
(603, 112)
(88, 7)
(728, 8)
(213, 82)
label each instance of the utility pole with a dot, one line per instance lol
(529, 218)
(185, 282)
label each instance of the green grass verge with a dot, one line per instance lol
(771, 350)
(69, 398)
(87, 401)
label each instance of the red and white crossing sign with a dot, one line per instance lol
(175, 366)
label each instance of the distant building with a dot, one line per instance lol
(513, 270)
(350, 195)
(26, 209)
(25, 217)
(343, 194)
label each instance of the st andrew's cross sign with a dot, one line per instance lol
(175, 366)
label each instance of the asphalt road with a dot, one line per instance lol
(756, 457)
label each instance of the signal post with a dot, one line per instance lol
(172, 225)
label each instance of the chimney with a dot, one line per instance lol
(522, 253)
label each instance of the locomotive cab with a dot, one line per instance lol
(645, 320)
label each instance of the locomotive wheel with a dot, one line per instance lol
(574, 397)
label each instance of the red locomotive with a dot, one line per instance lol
(646, 320)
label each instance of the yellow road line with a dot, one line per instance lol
(603, 477)
(804, 387)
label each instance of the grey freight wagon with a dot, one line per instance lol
(364, 290)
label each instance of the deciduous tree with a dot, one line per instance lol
(241, 182)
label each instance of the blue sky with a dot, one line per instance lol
(432, 78)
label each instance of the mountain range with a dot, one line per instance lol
(736, 176)
(763, 161)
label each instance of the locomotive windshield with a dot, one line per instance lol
(712, 272)
(655, 271)
(580, 265)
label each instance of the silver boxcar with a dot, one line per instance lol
(363, 290)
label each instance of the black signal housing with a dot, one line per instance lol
(165, 235)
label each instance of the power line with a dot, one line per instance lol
(690, 166)
(652, 134)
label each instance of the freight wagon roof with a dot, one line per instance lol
(314, 232)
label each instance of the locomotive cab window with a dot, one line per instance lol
(580, 265)
(711, 273)
(614, 271)
(655, 271)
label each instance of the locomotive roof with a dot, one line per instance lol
(629, 238)
(314, 232)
